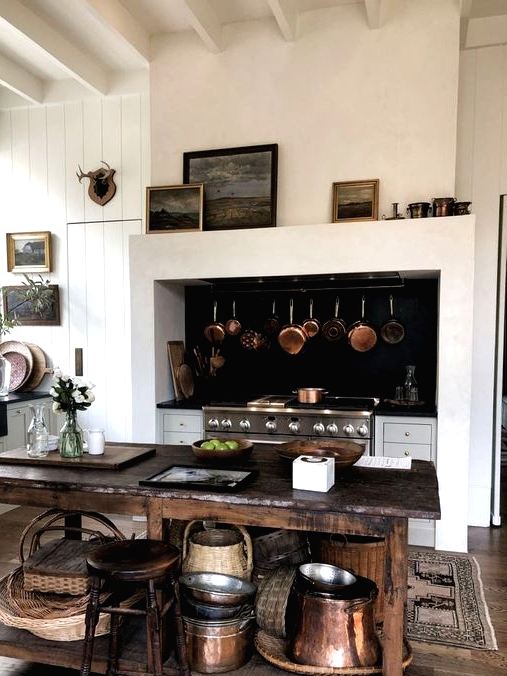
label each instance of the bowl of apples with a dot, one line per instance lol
(220, 450)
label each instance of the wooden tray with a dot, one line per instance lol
(114, 457)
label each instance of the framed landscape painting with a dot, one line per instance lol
(174, 208)
(355, 201)
(16, 304)
(240, 185)
(29, 251)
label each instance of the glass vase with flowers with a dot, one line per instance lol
(70, 395)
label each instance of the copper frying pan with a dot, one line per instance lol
(311, 325)
(233, 326)
(214, 332)
(292, 337)
(362, 336)
(392, 331)
(334, 328)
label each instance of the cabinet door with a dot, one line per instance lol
(416, 451)
(18, 419)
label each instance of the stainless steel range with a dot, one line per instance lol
(279, 418)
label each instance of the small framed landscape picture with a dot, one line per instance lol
(174, 208)
(355, 201)
(16, 304)
(29, 251)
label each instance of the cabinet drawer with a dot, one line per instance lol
(416, 451)
(411, 433)
(183, 423)
(181, 438)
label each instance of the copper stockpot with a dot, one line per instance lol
(443, 206)
(310, 395)
(334, 632)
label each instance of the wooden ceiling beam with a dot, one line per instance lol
(204, 21)
(286, 18)
(20, 81)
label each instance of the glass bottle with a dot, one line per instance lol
(411, 391)
(37, 434)
(70, 440)
(5, 376)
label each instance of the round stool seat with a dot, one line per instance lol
(133, 560)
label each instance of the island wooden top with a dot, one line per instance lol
(361, 491)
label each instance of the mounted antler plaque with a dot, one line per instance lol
(102, 186)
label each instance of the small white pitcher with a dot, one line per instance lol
(95, 440)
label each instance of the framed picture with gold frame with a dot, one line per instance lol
(29, 251)
(355, 200)
(174, 208)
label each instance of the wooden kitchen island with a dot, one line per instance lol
(363, 501)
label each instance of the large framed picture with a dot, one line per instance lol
(174, 208)
(17, 305)
(355, 201)
(29, 251)
(240, 185)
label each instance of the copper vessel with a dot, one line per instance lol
(334, 632)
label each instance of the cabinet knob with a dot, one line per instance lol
(407, 434)
(407, 453)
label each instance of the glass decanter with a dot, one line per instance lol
(37, 433)
(410, 387)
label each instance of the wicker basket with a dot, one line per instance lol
(50, 616)
(280, 547)
(362, 555)
(59, 565)
(219, 550)
(272, 598)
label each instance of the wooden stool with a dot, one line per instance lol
(125, 565)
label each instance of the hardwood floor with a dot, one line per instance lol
(488, 545)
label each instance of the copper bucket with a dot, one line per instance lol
(335, 632)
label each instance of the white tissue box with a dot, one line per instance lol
(313, 473)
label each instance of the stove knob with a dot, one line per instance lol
(362, 430)
(349, 429)
(319, 428)
(213, 424)
(332, 429)
(294, 427)
(244, 425)
(226, 424)
(271, 425)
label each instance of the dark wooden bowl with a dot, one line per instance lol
(243, 452)
(345, 453)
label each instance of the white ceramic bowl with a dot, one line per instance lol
(52, 443)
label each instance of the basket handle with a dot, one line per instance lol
(186, 535)
(53, 515)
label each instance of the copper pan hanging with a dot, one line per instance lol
(361, 335)
(311, 325)
(292, 337)
(214, 332)
(334, 328)
(392, 331)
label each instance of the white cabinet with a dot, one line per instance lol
(19, 416)
(180, 426)
(415, 437)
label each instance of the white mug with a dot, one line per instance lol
(96, 441)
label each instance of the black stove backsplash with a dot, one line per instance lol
(335, 366)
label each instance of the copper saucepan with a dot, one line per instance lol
(272, 324)
(392, 331)
(233, 326)
(214, 332)
(292, 337)
(311, 325)
(362, 336)
(334, 328)
(310, 395)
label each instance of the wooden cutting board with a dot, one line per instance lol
(114, 457)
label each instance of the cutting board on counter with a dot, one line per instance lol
(114, 457)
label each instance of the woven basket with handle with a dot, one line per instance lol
(58, 565)
(226, 550)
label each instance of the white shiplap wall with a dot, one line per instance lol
(40, 150)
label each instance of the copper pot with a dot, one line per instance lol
(419, 209)
(310, 395)
(461, 208)
(443, 206)
(362, 336)
(292, 338)
(214, 332)
(334, 632)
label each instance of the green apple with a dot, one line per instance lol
(221, 447)
(215, 442)
(208, 445)
(232, 444)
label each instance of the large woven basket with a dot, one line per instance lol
(59, 565)
(226, 550)
(272, 598)
(364, 556)
(55, 617)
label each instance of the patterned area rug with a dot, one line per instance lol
(446, 601)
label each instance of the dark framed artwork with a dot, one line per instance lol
(204, 478)
(240, 185)
(355, 200)
(29, 251)
(16, 305)
(174, 208)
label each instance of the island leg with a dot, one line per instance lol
(395, 588)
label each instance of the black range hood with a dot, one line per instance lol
(331, 282)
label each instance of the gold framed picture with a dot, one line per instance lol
(355, 200)
(174, 208)
(29, 251)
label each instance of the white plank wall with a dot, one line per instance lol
(40, 150)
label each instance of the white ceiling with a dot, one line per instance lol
(54, 49)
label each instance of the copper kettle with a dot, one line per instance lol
(334, 632)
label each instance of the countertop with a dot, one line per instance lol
(23, 396)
